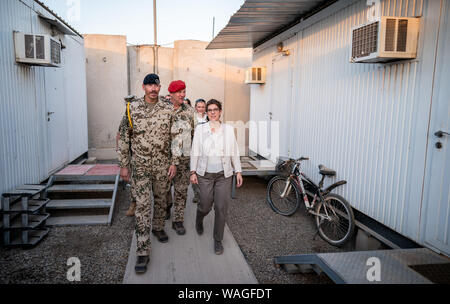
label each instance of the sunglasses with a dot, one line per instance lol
(213, 110)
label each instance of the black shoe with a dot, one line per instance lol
(161, 236)
(218, 248)
(168, 212)
(199, 224)
(179, 228)
(141, 264)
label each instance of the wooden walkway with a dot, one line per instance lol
(190, 259)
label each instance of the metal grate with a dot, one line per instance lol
(29, 46)
(402, 35)
(55, 52)
(390, 35)
(365, 40)
(40, 47)
(436, 273)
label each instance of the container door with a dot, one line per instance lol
(281, 97)
(56, 118)
(436, 200)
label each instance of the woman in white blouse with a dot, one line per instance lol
(214, 159)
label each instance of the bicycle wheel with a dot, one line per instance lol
(284, 206)
(339, 229)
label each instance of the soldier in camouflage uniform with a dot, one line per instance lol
(147, 126)
(183, 130)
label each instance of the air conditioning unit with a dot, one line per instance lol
(385, 39)
(40, 50)
(255, 75)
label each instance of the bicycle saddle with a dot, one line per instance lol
(325, 171)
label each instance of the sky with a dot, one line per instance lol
(177, 19)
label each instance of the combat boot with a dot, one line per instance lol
(218, 248)
(161, 236)
(179, 228)
(131, 211)
(141, 264)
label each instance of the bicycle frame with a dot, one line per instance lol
(317, 189)
(295, 177)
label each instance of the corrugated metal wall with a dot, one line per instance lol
(367, 121)
(24, 142)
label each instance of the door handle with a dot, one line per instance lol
(50, 113)
(441, 134)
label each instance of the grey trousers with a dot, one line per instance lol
(215, 189)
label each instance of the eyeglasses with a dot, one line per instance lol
(213, 110)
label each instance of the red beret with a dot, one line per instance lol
(176, 86)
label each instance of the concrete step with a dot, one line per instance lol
(79, 204)
(71, 188)
(84, 220)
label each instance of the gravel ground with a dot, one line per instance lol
(262, 235)
(103, 253)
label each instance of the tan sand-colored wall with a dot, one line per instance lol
(141, 63)
(218, 74)
(106, 69)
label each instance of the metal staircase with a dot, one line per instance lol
(81, 200)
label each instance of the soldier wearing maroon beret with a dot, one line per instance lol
(183, 129)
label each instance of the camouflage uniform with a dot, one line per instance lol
(183, 130)
(151, 138)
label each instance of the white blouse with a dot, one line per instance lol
(213, 147)
(208, 148)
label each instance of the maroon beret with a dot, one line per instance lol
(176, 86)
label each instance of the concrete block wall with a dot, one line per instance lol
(107, 84)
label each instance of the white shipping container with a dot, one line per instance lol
(43, 112)
(373, 123)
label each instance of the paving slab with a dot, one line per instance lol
(190, 259)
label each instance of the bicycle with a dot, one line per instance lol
(334, 216)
